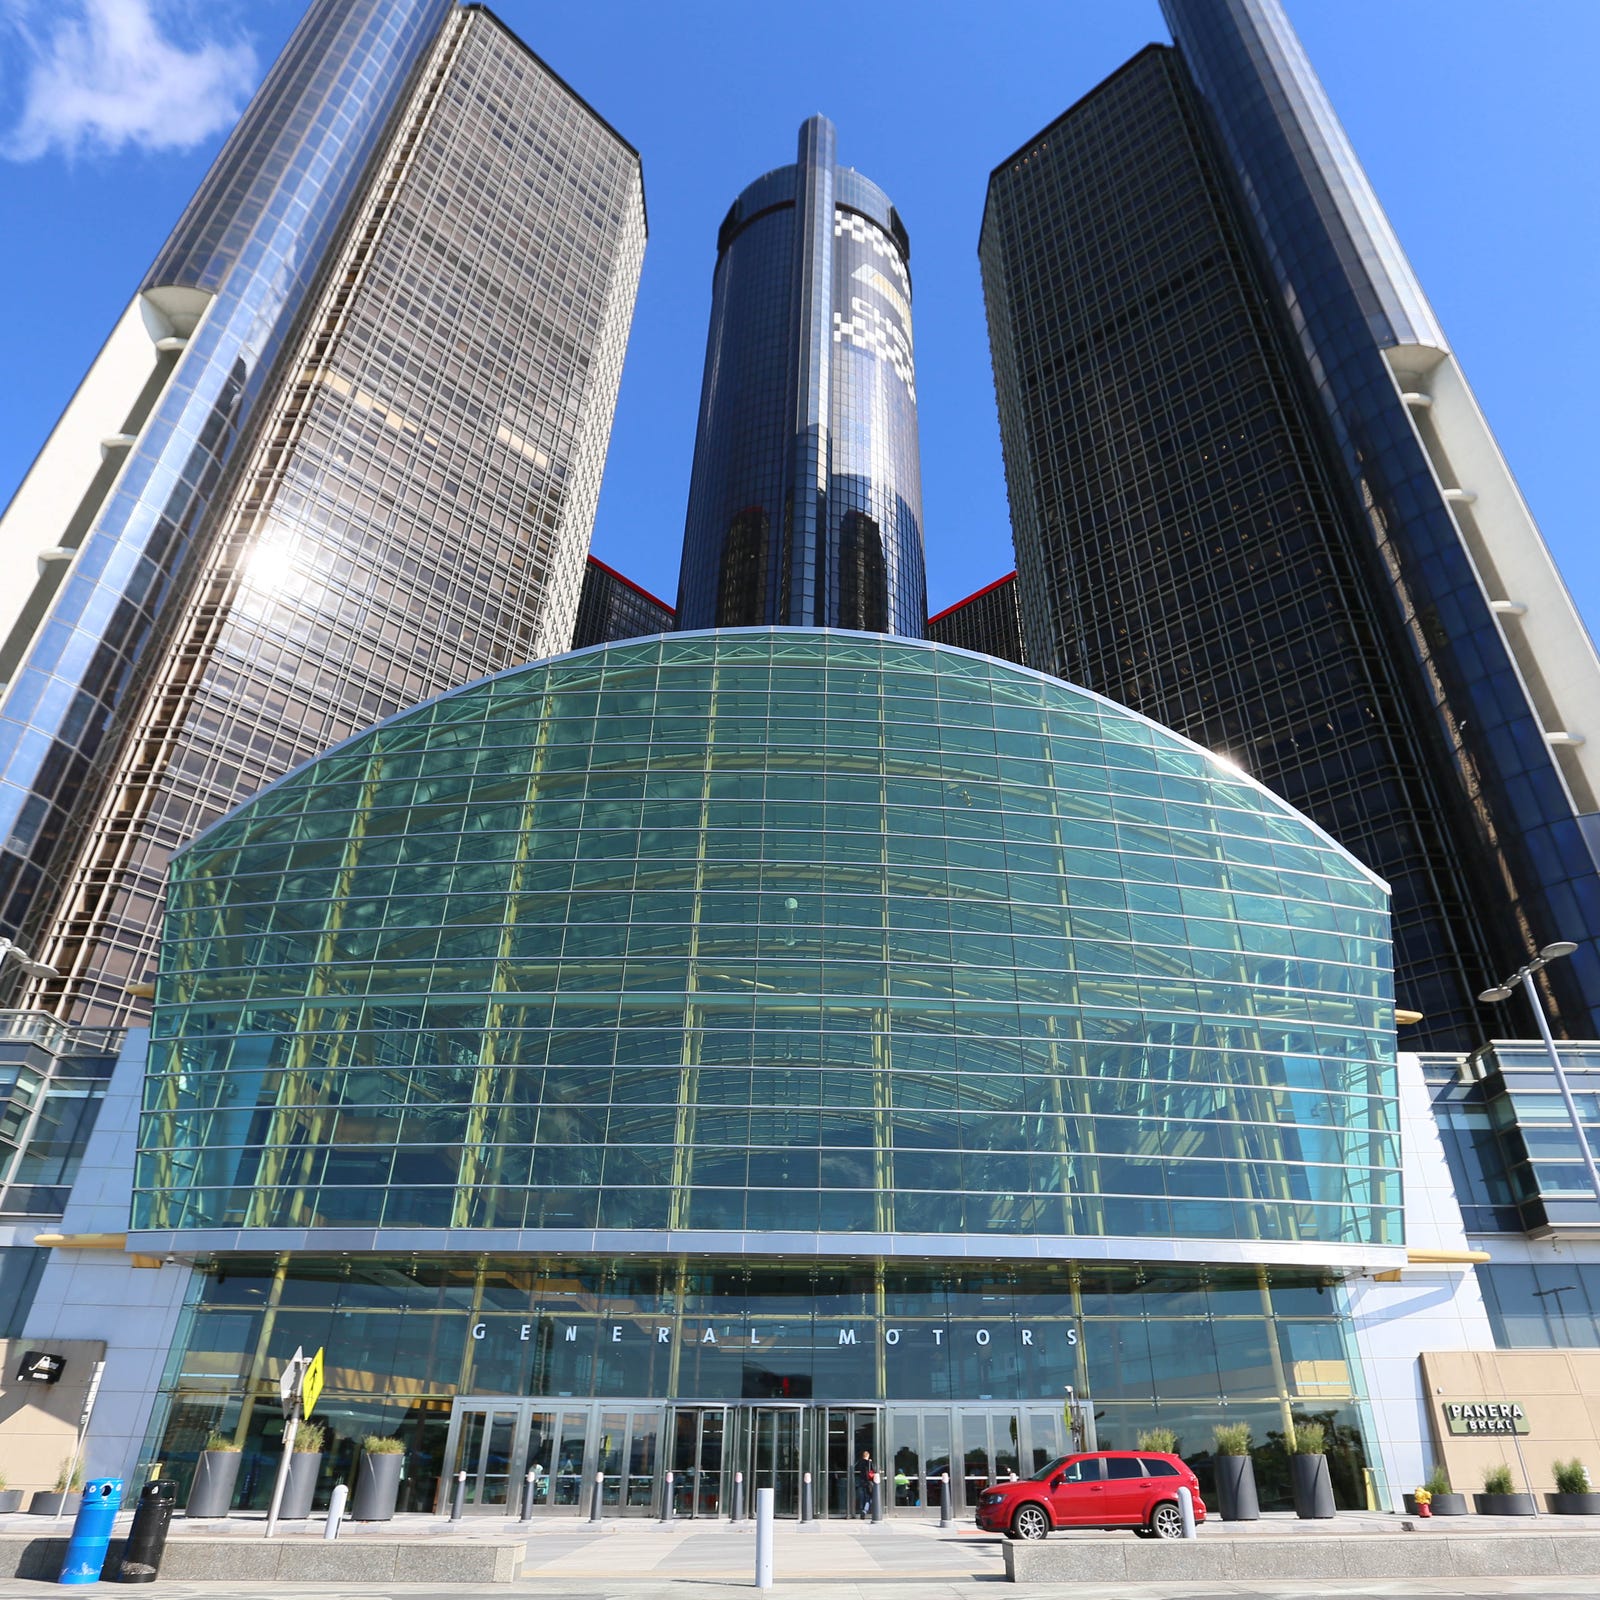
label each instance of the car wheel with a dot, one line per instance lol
(1166, 1521)
(1030, 1522)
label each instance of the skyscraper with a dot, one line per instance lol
(986, 621)
(805, 500)
(613, 607)
(342, 451)
(1253, 498)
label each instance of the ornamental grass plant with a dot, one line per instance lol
(1232, 1438)
(1162, 1440)
(1310, 1439)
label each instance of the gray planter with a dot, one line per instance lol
(1504, 1505)
(10, 1500)
(1313, 1489)
(1449, 1505)
(300, 1486)
(211, 1494)
(1236, 1489)
(377, 1488)
(47, 1502)
(1586, 1504)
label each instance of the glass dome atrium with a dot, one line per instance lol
(855, 943)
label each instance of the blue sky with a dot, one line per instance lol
(1477, 121)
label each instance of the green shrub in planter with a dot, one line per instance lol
(309, 1439)
(376, 1444)
(69, 1479)
(1497, 1480)
(1572, 1477)
(1231, 1438)
(1308, 1472)
(1310, 1439)
(1162, 1440)
(1235, 1473)
(1438, 1482)
(221, 1441)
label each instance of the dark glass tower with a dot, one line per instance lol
(612, 607)
(1222, 400)
(805, 503)
(986, 621)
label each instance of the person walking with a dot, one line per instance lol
(864, 1476)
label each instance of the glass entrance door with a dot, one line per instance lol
(918, 1454)
(991, 1450)
(625, 1452)
(488, 1450)
(775, 1457)
(698, 1436)
(847, 1432)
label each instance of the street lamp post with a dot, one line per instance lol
(1504, 991)
(34, 969)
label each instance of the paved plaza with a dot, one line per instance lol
(897, 1560)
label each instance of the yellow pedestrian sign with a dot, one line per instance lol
(311, 1383)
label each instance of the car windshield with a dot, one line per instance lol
(1055, 1466)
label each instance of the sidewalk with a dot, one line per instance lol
(899, 1559)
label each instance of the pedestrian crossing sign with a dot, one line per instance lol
(311, 1383)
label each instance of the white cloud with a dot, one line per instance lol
(104, 74)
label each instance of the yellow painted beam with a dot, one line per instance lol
(1424, 1258)
(83, 1241)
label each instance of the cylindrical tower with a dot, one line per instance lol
(805, 503)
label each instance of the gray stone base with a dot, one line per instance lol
(293, 1560)
(1243, 1560)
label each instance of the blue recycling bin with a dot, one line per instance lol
(91, 1531)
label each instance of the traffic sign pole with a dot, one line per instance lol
(290, 1384)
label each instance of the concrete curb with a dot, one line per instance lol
(292, 1560)
(1400, 1555)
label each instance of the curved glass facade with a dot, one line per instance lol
(805, 500)
(803, 942)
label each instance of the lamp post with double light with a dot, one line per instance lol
(1504, 991)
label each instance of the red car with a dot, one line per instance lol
(1110, 1489)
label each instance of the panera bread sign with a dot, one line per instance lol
(1485, 1416)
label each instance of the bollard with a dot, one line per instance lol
(530, 1489)
(1186, 1511)
(147, 1538)
(877, 1497)
(763, 1538)
(594, 1504)
(458, 1497)
(738, 1497)
(666, 1499)
(91, 1531)
(945, 1519)
(808, 1510)
(336, 1504)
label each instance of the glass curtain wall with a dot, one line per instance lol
(932, 1368)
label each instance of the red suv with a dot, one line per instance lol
(1112, 1489)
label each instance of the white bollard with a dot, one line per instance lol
(1186, 1510)
(763, 1538)
(335, 1511)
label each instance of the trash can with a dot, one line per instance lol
(147, 1538)
(91, 1531)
